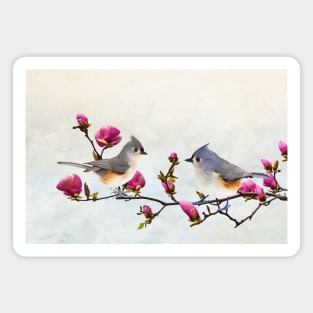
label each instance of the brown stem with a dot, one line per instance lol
(216, 202)
(279, 187)
(237, 222)
(96, 199)
(168, 174)
(103, 151)
(125, 197)
(93, 146)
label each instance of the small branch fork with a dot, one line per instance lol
(97, 155)
(249, 217)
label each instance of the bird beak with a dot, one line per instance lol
(189, 160)
(144, 152)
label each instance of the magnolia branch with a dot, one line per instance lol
(215, 202)
(237, 222)
(108, 136)
(270, 196)
(83, 129)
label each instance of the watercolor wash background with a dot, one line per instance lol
(242, 114)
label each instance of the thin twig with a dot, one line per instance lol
(93, 199)
(125, 197)
(93, 146)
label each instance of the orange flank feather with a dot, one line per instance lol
(230, 185)
(112, 180)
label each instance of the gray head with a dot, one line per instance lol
(133, 148)
(205, 158)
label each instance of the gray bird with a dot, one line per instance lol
(215, 176)
(116, 171)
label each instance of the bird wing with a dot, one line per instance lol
(114, 164)
(231, 172)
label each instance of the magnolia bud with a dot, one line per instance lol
(275, 165)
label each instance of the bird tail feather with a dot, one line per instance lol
(260, 175)
(85, 167)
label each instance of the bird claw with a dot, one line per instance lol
(202, 200)
(225, 207)
(118, 191)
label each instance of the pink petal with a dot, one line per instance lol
(190, 210)
(283, 147)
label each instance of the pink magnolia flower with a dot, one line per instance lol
(108, 136)
(169, 187)
(283, 147)
(190, 210)
(147, 211)
(82, 120)
(71, 185)
(136, 183)
(270, 182)
(267, 164)
(247, 186)
(250, 186)
(261, 196)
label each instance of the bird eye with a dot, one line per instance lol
(135, 149)
(197, 159)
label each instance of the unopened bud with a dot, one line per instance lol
(275, 165)
(95, 155)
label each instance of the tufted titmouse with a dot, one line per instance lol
(118, 170)
(215, 176)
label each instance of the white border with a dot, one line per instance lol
(155, 63)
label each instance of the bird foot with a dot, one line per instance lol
(118, 191)
(202, 200)
(225, 207)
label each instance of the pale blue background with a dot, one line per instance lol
(242, 114)
(160, 28)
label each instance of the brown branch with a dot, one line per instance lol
(279, 187)
(85, 131)
(253, 213)
(92, 199)
(215, 202)
(103, 151)
(237, 222)
(126, 197)
(170, 173)
(93, 146)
